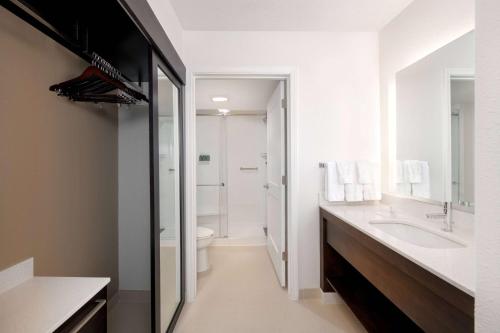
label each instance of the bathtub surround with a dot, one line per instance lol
(58, 173)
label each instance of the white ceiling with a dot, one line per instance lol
(287, 15)
(247, 95)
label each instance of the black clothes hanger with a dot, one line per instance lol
(99, 83)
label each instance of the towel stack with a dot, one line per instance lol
(413, 178)
(351, 181)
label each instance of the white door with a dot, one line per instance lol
(276, 191)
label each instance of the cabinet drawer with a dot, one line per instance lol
(90, 318)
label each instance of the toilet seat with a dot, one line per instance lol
(202, 233)
(204, 237)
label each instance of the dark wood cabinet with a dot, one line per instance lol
(387, 292)
(90, 318)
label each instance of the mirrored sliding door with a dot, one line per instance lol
(166, 127)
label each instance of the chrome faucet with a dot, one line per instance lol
(445, 215)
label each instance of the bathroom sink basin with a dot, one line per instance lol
(416, 235)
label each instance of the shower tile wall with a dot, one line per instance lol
(246, 143)
(209, 142)
(241, 140)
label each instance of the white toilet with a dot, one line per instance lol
(204, 237)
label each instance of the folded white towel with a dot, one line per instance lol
(333, 190)
(400, 172)
(414, 171)
(366, 172)
(353, 192)
(423, 189)
(370, 192)
(346, 171)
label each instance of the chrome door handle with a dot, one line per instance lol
(205, 185)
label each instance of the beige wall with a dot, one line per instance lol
(58, 162)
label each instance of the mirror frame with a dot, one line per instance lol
(447, 161)
(155, 63)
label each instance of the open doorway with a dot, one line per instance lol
(241, 167)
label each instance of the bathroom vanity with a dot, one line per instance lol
(397, 274)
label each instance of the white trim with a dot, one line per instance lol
(291, 75)
(251, 241)
(318, 294)
(447, 109)
(16, 274)
(331, 298)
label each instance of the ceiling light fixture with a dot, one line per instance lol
(223, 111)
(219, 99)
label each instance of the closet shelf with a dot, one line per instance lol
(99, 83)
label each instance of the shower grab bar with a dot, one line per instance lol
(204, 185)
(248, 169)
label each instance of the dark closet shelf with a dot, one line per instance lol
(88, 26)
(372, 308)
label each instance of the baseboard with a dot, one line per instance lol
(238, 242)
(318, 294)
(311, 293)
(132, 296)
(331, 298)
(113, 301)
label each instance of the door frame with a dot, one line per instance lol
(290, 75)
(449, 73)
(155, 63)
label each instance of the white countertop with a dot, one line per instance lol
(456, 266)
(42, 304)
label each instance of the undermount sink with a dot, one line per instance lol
(416, 234)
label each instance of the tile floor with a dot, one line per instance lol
(241, 294)
(130, 313)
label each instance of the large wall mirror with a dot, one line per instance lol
(435, 126)
(168, 221)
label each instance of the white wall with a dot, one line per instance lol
(488, 166)
(337, 104)
(133, 198)
(169, 21)
(423, 27)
